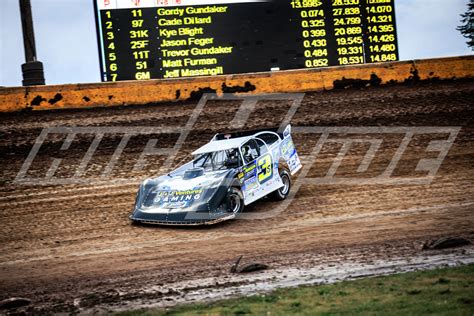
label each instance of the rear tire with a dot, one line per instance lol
(282, 193)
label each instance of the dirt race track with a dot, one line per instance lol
(71, 247)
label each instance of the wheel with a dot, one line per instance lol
(282, 193)
(235, 200)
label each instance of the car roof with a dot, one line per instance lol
(217, 145)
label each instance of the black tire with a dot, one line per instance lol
(235, 200)
(136, 223)
(282, 193)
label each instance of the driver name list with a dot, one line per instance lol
(140, 40)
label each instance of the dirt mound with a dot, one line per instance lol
(446, 242)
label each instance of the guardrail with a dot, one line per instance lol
(154, 91)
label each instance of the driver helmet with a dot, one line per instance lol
(246, 151)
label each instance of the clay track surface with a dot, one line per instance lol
(63, 243)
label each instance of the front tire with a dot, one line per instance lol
(282, 193)
(235, 200)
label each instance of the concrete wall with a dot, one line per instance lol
(153, 91)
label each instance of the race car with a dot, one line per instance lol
(226, 174)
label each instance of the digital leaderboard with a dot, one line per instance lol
(160, 39)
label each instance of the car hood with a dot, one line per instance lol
(173, 192)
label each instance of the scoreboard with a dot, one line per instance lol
(154, 39)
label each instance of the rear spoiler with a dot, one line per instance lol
(277, 130)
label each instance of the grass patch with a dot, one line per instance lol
(447, 291)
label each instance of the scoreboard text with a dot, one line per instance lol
(145, 39)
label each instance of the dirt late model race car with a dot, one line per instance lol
(230, 171)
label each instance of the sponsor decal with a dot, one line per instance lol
(176, 198)
(251, 183)
(249, 171)
(287, 148)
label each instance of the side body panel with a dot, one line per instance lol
(259, 178)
